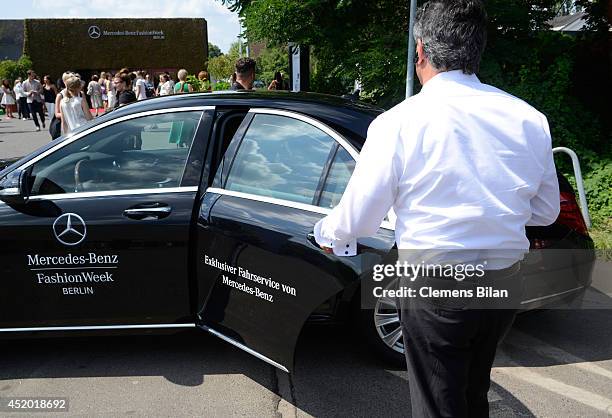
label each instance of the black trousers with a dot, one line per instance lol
(450, 350)
(36, 108)
(23, 110)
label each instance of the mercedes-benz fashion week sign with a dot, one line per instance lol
(95, 32)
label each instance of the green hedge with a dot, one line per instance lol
(55, 45)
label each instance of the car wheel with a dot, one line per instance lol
(382, 329)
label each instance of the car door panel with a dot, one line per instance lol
(131, 266)
(241, 234)
(270, 241)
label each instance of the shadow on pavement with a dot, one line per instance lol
(557, 337)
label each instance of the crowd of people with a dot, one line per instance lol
(71, 101)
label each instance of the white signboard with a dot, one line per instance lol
(295, 67)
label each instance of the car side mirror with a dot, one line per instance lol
(13, 187)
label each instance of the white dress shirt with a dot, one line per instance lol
(462, 164)
(18, 89)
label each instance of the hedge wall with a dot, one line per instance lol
(55, 45)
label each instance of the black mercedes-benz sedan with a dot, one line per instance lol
(197, 210)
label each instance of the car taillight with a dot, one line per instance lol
(570, 214)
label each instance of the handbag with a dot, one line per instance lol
(55, 128)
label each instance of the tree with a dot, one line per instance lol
(234, 51)
(366, 40)
(11, 70)
(271, 60)
(221, 67)
(213, 51)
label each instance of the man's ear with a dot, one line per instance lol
(420, 51)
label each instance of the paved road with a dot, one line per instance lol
(19, 137)
(552, 364)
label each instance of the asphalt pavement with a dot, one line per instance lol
(554, 363)
(19, 137)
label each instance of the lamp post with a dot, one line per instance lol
(411, 51)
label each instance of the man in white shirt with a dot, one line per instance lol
(464, 166)
(22, 102)
(34, 92)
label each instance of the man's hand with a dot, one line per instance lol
(326, 250)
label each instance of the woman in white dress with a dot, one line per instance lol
(8, 100)
(111, 92)
(104, 86)
(73, 108)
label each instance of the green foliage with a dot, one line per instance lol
(272, 59)
(598, 187)
(194, 82)
(221, 67)
(11, 70)
(234, 51)
(213, 51)
(221, 85)
(544, 79)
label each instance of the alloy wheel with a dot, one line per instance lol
(387, 323)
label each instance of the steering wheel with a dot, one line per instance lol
(78, 185)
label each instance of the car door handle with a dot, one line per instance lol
(148, 213)
(311, 238)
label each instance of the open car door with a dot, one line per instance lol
(260, 274)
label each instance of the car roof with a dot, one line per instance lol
(348, 116)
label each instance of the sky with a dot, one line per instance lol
(223, 25)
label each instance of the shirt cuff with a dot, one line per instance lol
(340, 248)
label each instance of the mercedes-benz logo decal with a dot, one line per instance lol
(69, 229)
(94, 32)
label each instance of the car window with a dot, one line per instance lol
(339, 174)
(280, 157)
(141, 153)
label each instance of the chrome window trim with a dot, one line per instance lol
(127, 192)
(307, 119)
(78, 136)
(285, 203)
(99, 327)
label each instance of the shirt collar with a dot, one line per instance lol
(454, 76)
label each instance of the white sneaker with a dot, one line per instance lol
(38, 129)
(23, 119)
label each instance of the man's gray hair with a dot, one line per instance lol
(453, 33)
